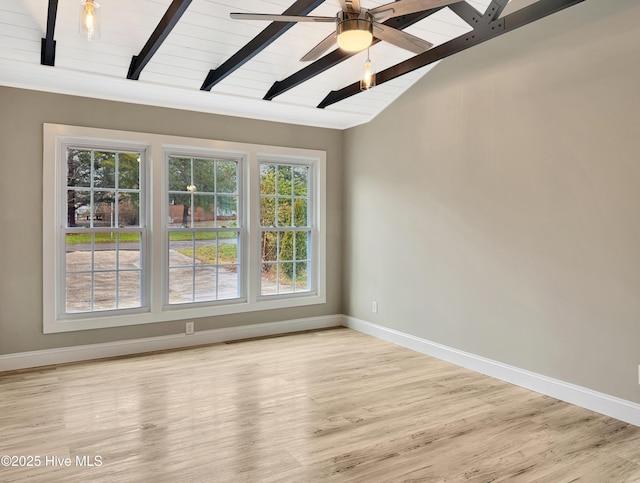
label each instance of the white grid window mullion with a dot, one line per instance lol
(116, 203)
(198, 189)
(280, 171)
(114, 302)
(117, 270)
(93, 270)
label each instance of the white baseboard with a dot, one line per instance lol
(614, 407)
(580, 396)
(25, 360)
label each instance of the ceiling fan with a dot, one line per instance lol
(356, 26)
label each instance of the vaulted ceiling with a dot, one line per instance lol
(192, 55)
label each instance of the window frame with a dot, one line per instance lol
(240, 159)
(312, 223)
(98, 145)
(156, 183)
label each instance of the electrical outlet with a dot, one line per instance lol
(374, 306)
(189, 328)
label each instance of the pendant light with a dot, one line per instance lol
(89, 19)
(368, 79)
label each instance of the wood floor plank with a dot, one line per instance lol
(331, 405)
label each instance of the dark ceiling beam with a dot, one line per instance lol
(48, 45)
(164, 28)
(337, 56)
(484, 30)
(258, 43)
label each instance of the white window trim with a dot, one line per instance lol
(313, 218)
(157, 196)
(241, 158)
(60, 219)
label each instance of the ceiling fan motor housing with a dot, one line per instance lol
(355, 30)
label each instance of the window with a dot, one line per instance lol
(285, 228)
(143, 228)
(104, 231)
(203, 230)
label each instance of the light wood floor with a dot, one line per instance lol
(331, 405)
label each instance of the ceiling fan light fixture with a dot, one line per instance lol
(355, 33)
(89, 19)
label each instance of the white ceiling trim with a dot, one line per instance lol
(77, 83)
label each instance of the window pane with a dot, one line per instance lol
(227, 177)
(269, 244)
(300, 213)
(181, 249)
(179, 174)
(284, 180)
(203, 214)
(286, 278)
(206, 251)
(267, 179)
(129, 289)
(104, 257)
(104, 290)
(180, 285)
(301, 279)
(268, 279)
(78, 208)
(284, 212)
(228, 247)
(128, 209)
(229, 221)
(78, 252)
(104, 170)
(179, 210)
(129, 171)
(302, 245)
(226, 210)
(267, 211)
(104, 209)
(228, 282)
(205, 287)
(129, 251)
(285, 248)
(204, 175)
(300, 180)
(78, 167)
(78, 292)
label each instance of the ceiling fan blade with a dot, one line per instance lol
(405, 7)
(401, 39)
(350, 5)
(280, 18)
(320, 49)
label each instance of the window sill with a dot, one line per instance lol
(171, 314)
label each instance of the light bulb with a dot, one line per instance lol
(89, 26)
(368, 79)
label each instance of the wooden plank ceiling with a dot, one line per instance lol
(173, 61)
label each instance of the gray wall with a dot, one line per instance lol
(22, 114)
(495, 207)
